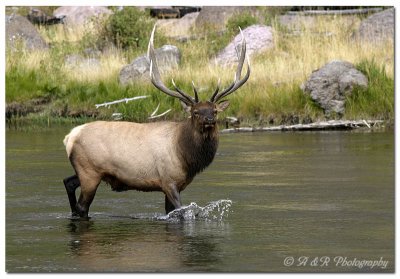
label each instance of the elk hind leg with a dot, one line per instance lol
(89, 186)
(71, 184)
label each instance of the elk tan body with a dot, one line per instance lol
(136, 155)
(163, 156)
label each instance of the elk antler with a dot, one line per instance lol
(156, 77)
(237, 81)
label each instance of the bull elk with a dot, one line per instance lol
(159, 156)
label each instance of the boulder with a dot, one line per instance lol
(80, 15)
(258, 38)
(297, 22)
(20, 29)
(331, 84)
(179, 27)
(377, 27)
(168, 57)
(217, 16)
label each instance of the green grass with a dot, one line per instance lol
(377, 100)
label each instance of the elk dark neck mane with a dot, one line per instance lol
(197, 148)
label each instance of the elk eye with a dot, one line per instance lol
(196, 113)
(215, 112)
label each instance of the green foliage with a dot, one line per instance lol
(98, 37)
(130, 27)
(241, 20)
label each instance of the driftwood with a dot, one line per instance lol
(126, 100)
(337, 12)
(323, 125)
(172, 12)
(119, 116)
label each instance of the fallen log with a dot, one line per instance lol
(336, 12)
(322, 125)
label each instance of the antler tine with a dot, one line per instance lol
(196, 94)
(216, 90)
(156, 77)
(237, 81)
(183, 94)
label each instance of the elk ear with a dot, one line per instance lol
(186, 107)
(222, 106)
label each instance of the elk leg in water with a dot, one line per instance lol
(168, 205)
(172, 199)
(89, 184)
(71, 183)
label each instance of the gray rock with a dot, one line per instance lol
(377, 27)
(296, 22)
(20, 29)
(80, 15)
(330, 85)
(217, 16)
(179, 27)
(258, 38)
(168, 57)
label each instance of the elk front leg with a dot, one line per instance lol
(71, 184)
(172, 198)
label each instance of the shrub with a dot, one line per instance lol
(241, 20)
(130, 28)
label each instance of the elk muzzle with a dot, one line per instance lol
(209, 122)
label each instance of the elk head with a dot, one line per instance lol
(202, 113)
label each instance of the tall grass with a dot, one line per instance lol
(271, 95)
(377, 100)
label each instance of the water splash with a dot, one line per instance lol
(214, 211)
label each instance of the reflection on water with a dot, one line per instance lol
(138, 245)
(289, 196)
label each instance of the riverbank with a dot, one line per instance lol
(41, 88)
(316, 126)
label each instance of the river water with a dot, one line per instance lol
(270, 202)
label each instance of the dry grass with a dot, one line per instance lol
(60, 33)
(293, 58)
